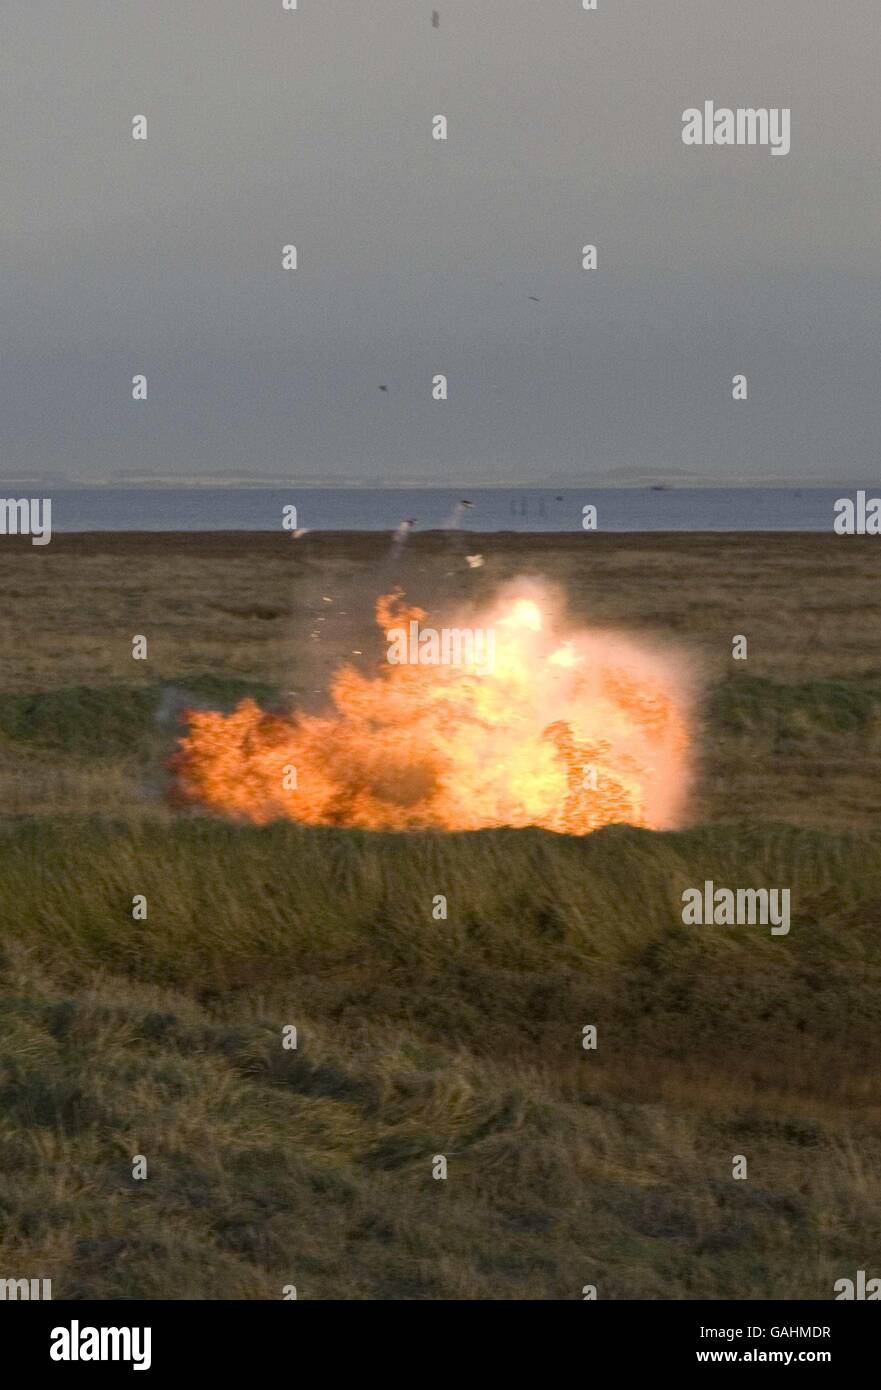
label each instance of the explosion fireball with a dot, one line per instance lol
(564, 730)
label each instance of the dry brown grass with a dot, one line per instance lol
(463, 1038)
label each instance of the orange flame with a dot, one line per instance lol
(565, 732)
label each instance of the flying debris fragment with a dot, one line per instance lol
(400, 536)
(457, 514)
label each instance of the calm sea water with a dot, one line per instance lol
(492, 509)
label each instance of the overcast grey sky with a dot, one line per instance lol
(417, 256)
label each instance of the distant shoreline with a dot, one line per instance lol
(551, 509)
(361, 543)
(317, 485)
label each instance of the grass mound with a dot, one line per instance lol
(419, 1037)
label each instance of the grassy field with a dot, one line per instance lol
(313, 1166)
